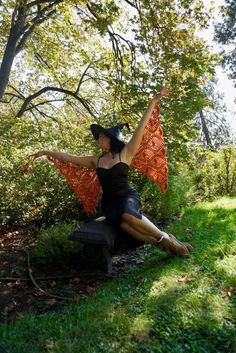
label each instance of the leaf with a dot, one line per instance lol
(39, 294)
(140, 280)
(185, 278)
(50, 302)
(77, 299)
(76, 280)
(90, 289)
(49, 344)
(227, 292)
(53, 284)
(20, 283)
(139, 262)
(189, 230)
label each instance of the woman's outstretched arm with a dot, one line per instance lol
(88, 161)
(133, 145)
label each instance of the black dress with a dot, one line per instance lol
(118, 197)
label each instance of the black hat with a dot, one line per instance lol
(113, 132)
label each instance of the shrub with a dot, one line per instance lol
(53, 242)
(162, 206)
(213, 173)
(42, 195)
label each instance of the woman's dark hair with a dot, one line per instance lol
(114, 147)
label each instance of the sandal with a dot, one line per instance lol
(172, 245)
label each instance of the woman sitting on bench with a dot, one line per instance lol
(121, 203)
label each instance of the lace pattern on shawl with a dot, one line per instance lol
(82, 180)
(150, 158)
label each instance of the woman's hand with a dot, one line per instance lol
(163, 93)
(38, 154)
(31, 159)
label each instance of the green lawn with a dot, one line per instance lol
(168, 305)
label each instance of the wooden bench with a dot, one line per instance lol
(98, 238)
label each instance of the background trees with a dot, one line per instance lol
(225, 34)
(214, 130)
(65, 64)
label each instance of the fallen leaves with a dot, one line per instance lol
(139, 262)
(38, 293)
(49, 344)
(140, 280)
(75, 280)
(188, 230)
(19, 283)
(90, 289)
(228, 292)
(50, 302)
(185, 278)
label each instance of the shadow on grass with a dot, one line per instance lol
(148, 310)
(129, 315)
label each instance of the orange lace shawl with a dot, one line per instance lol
(150, 159)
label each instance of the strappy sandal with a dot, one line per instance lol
(188, 246)
(172, 246)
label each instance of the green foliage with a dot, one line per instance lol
(225, 34)
(127, 57)
(52, 243)
(213, 173)
(205, 174)
(42, 196)
(105, 60)
(161, 207)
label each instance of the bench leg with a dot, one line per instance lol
(108, 259)
(99, 255)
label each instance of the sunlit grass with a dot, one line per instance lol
(168, 305)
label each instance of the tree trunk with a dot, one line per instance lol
(205, 130)
(6, 65)
(17, 25)
(20, 31)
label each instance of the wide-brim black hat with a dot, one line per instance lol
(113, 132)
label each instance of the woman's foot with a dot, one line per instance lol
(188, 246)
(172, 245)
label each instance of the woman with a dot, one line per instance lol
(120, 203)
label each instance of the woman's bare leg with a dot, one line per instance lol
(150, 233)
(138, 235)
(143, 225)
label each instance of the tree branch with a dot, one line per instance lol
(54, 89)
(82, 77)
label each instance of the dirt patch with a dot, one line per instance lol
(28, 284)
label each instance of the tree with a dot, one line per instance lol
(214, 131)
(225, 34)
(26, 15)
(99, 60)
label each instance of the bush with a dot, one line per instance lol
(43, 195)
(204, 175)
(213, 173)
(162, 206)
(53, 242)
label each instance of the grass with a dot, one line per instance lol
(53, 242)
(168, 305)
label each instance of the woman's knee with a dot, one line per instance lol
(123, 225)
(128, 218)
